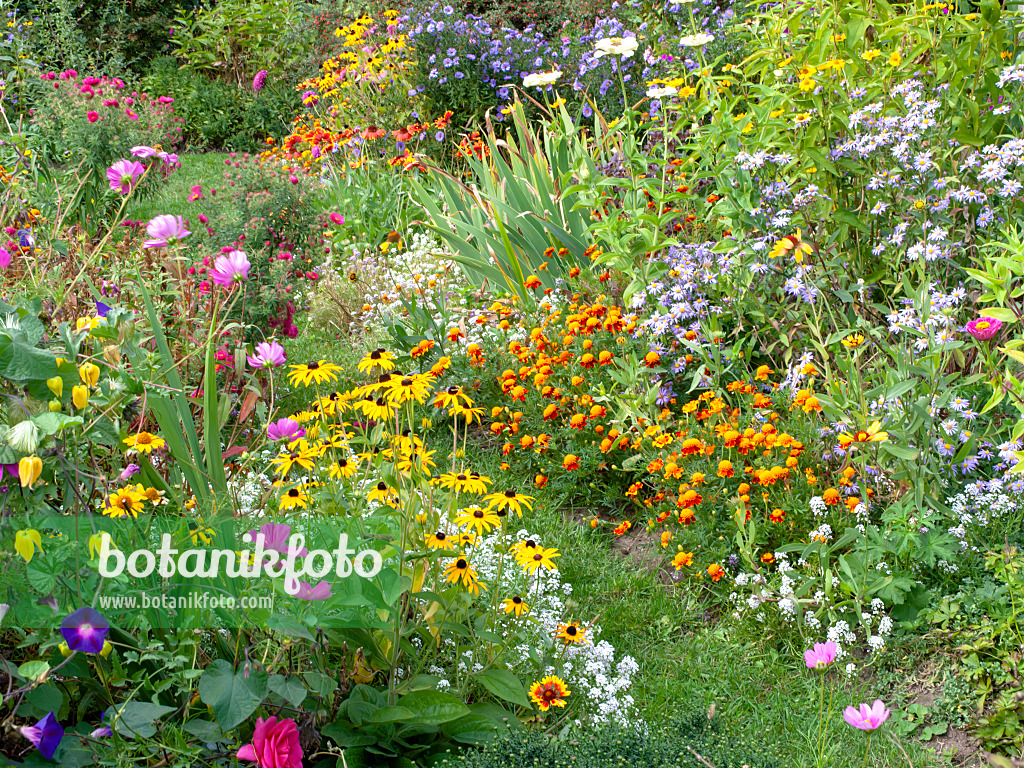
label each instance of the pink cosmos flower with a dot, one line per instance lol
(867, 718)
(123, 174)
(321, 591)
(275, 744)
(275, 537)
(230, 269)
(984, 328)
(285, 429)
(821, 655)
(5, 258)
(144, 151)
(164, 230)
(92, 117)
(269, 354)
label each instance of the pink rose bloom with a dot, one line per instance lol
(275, 744)
(123, 174)
(867, 718)
(230, 269)
(821, 655)
(984, 328)
(165, 230)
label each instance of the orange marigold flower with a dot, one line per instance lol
(716, 572)
(605, 357)
(690, 499)
(622, 527)
(652, 359)
(725, 469)
(571, 462)
(830, 496)
(682, 560)
(540, 481)
(533, 282)
(578, 421)
(588, 360)
(777, 515)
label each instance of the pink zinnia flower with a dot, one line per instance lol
(123, 174)
(275, 744)
(230, 269)
(337, 218)
(92, 117)
(269, 354)
(984, 328)
(165, 230)
(196, 193)
(821, 655)
(867, 718)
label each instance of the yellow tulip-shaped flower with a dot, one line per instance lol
(80, 396)
(26, 542)
(89, 373)
(29, 469)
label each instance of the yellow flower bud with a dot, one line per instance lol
(56, 385)
(29, 469)
(26, 542)
(107, 648)
(112, 353)
(80, 396)
(65, 651)
(55, 406)
(89, 373)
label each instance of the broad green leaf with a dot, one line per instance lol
(231, 694)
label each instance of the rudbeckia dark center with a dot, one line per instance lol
(313, 366)
(453, 390)
(478, 514)
(461, 564)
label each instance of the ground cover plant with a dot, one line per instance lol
(571, 385)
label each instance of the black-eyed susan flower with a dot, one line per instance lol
(515, 605)
(415, 386)
(152, 495)
(571, 632)
(293, 497)
(124, 502)
(460, 570)
(377, 409)
(465, 482)
(479, 519)
(315, 372)
(379, 358)
(303, 455)
(144, 442)
(380, 492)
(538, 558)
(452, 396)
(440, 540)
(381, 383)
(509, 500)
(467, 413)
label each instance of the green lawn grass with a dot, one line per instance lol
(206, 168)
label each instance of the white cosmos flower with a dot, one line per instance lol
(696, 41)
(617, 46)
(657, 93)
(540, 79)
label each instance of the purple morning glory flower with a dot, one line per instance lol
(85, 630)
(45, 735)
(102, 309)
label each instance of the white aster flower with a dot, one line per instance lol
(617, 46)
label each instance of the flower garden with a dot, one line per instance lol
(511, 384)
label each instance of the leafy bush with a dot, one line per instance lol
(220, 115)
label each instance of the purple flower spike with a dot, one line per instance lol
(85, 630)
(45, 735)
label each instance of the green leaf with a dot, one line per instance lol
(34, 670)
(232, 696)
(346, 737)
(52, 423)
(434, 707)
(138, 718)
(288, 626)
(21, 362)
(291, 689)
(900, 451)
(504, 685)
(475, 730)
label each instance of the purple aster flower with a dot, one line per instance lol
(285, 429)
(164, 230)
(85, 630)
(45, 735)
(230, 268)
(123, 174)
(269, 354)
